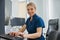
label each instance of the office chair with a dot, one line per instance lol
(58, 36)
(52, 35)
(52, 26)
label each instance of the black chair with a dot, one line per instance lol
(17, 21)
(52, 35)
(58, 36)
(53, 25)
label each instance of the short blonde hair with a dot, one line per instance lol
(31, 4)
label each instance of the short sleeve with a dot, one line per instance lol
(40, 23)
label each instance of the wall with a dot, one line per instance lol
(8, 10)
(54, 11)
(18, 9)
(22, 9)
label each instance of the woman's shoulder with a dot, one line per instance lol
(38, 17)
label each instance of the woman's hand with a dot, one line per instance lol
(15, 33)
(23, 35)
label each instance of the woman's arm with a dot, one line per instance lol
(23, 28)
(18, 33)
(34, 35)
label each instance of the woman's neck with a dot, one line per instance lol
(31, 18)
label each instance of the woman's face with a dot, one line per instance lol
(31, 10)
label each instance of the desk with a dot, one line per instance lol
(8, 37)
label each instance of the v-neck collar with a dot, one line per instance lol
(32, 17)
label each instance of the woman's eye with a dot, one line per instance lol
(31, 8)
(28, 9)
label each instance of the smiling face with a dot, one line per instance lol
(31, 9)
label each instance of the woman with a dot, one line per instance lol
(34, 25)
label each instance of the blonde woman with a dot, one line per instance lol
(34, 25)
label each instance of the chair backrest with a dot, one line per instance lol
(52, 25)
(17, 21)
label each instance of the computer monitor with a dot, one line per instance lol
(17, 21)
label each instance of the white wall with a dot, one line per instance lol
(18, 9)
(45, 14)
(54, 9)
(8, 9)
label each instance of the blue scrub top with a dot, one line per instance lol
(32, 26)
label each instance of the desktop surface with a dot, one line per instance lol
(8, 37)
